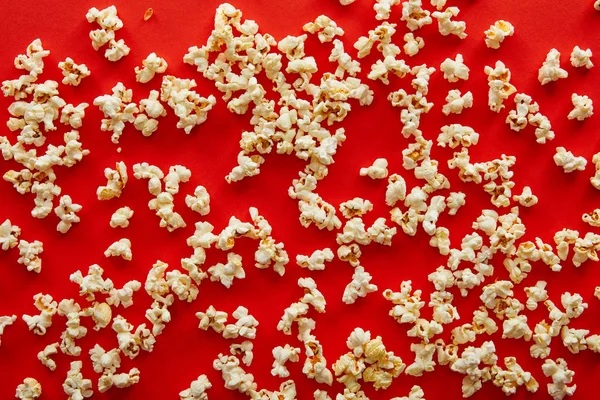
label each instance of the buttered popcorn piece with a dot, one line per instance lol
(120, 218)
(357, 207)
(200, 201)
(414, 15)
(396, 190)
(383, 8)
(73, 115)
(75, 386)
(413, 44)
(550, 70)
(120, 248)
(582, 107)
(73, 73)
(456, 102)
(105, 361)
(92, 283)
(496, 34)
(66, 210)
(561, 377)
(191, 108)
(243, 349)
(9, 235)
(282, 355)
(30, 255)
(117, 180)
(245, 326)
(151, 66)
(448, 27)
(197, 389)
(30, 389)
(499, 84)
(526, 198)
(316, 261)
(536, 294)
(226, 273)
(454, 69)
(568, 161)
(376, 171)
(118, 109)
(581, 58)
(360, 286)
(325, 28)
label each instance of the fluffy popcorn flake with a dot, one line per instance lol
(9, 235)
(226, 273)
(200, 201)
(325, 28)
(582, 107)
(30, 389)
(593, 218)
(416, 393)
(454, 69)
(447, 26)
(30, 255)
(378, 170)
(412, 44)
(121, 217)
(526, 198)
(75, 386)
(496, 34)
(5, 321)
(73, 73)
(359, 287)
(316, 261)
(197, 389)
(281, 356)
(561, 377)
(120, 248)
(456, 102)
(151, 66)
(581, 58)
(568, 161)
(550, 70)
(356, 207)
(66, 210)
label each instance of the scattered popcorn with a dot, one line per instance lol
(66, 210)
(376, 171)
(92, 283)
(191, 108)
(325, 28)
(200, 201)
(75, 386)
(574, 339)
(30, 389)
(282, 355)
(244, 349)
(4, 322)
(316, 261)
(73, 73)
(456, 102)
(561, 377)
(197, 389)
(413, 44)
(496, 34)
(527, 198)
(117, 109)
(445, 24)
(234, 376)
(415, 16)
(9, 235)
(30, 255)
(151, 66)
(583, 107)
(568, 161)
(109, 23)
(120, 248)
(550, 70)
(357, 207)
(593, 218)
(581, 58)
(468, 365)
(499, 84)
(416, 393)
(123, 296)
(345, 62)
(454, 69)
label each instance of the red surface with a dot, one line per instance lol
(183, 352)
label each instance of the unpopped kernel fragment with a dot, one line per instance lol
(550, 70)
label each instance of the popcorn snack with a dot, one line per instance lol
(582, 107)
(30, 389)
(151, 66)
(73, 73)
(581, 58)
(550, 70)
(109, 23)
(496, 34)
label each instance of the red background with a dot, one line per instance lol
(183, 352)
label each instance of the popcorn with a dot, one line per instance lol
(454, 69)
(468, 364)
(234, 376)
(245, 325)
(315, 365)
(312, 295)
(482, 323)
(117, 180)
(407, 306)
(33, 61)
(120, 381)
(290, 315)
(425, 330)
(183, 285)
(456, 102)
(499, 84)
(177, 174)
(131, 343)
(516, 328)
(66, 212)
(416, 393)
(105, 362)
(496, 34)
(44, 356)
(568, 161)
(513, 377)
(445, 24)
(346, 2)
(316, 261)
(123, 296)
(583, 107)
(281, 356)
(152, 173)
(359, 287)
(75, 386)
(200, 201)
(30, 389)
(383, 8)
(436, 206)
(381, 69)
(325, 28)
(550, 70)
(120, 218)
(73, 116)
(152, 65)
(561, 377)
(396, 190)
(596, 5)
(197, 389)
(574, 339)
(413, 44)
(247, 167)
(441, 240)
(455, 201)
(350, 253)
(354, 231)
(272, 254)
(543, 128)
(120, 248)
(415, 16)
(30, 255)
(541, 339)
(4, 322)
(382, 34)
(573, 304)
(73, 73)
(581, 58)
(345, 62)
(117, 109)
(380, 233)
(593, 218)
(463, 334)
(597, 292)
(9, 235)
(150, 109)
(423, 359)
(92, 283)
(213, 319)
(109, 23)
(164, 207)
(245, 349)
(422, 75)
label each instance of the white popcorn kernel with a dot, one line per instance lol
(582, 107)
(151, 66)
(117, 109)
(103, 361)
(316, 261)
(270, 253)
(581, 58)
(413, 44)
(407, 306)
(73, 73)
(423, 359)
(543, 127)
(177, 174)
(396, 190)
(574, 339)
(422, 75)
(200, 201)
(441, 240)
(9, 235)
(5, 321)
(120, 218)
(463, 334)
(550, 70)
(448, 27)
(425, 330)
(526, 198)
(454, 69)
(516, 328)
(345, 62)
(117, 180)
(455, 201)
(415, 16)
(482, 323)
(32, 61)
(468, 364)
(92, 283)
(573, 304)
(73, 116)
(74, 152)
(496, 34)
(354, 231)
(282, 355)
(536, 294)
(357, 207)
(120, 381)
(244, 349)
(233, 375)
(30, 255)
(245, 325)
(150, 109)
(499, 84)
(248, 166)
(325, 28)
(359, 287)
(197, 389)
(101, 314)
(44, 356)
(376, 171)
(66, 210)
(541, 341)
(381, 69)
(152, 173)
(593, 218)
(75, 386)
(120, 248)
(561, 376)
(225, 273)
(568, 161)
(350, 253)
(315, 365)
(116, 50)
(383, 8)
(212, 319)
(380, 233)
(416, 393)
(123, 296)
(30, 389)
(164, 206)
(456, 102)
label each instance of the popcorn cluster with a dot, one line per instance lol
(109, 23)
